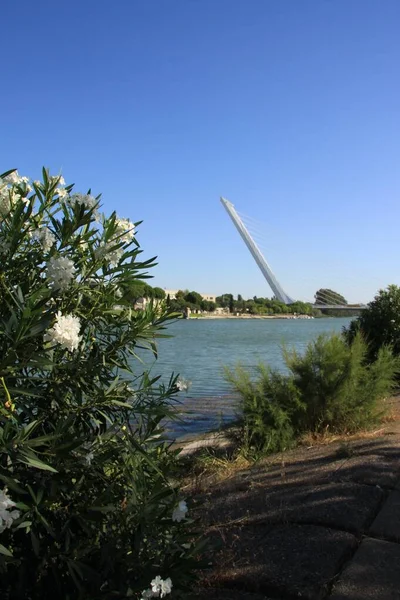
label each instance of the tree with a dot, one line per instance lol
(379, 323)
(158, 293)
(208, 305)
(327, 296)
(194, 298)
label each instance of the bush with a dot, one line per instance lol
(328, 387)
(86, 508)
(267, 404)
(379, 323)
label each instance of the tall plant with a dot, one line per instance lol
(86, 508)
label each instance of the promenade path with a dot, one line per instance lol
(313, 523)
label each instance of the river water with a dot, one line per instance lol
(200, 348)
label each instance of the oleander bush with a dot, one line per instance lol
(86, 506)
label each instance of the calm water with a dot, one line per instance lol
(199, 349)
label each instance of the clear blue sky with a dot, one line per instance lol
(289, 108)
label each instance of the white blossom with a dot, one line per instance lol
(148, 594)
(86, 200)
(62, 193)
(89, 457)
(6, 516)
(124, 233)
(65, 332)
(182, 385)
(5, 202)
(161, 586)
(44, 236)
(179, 512)
(60, 272)
(125, 230)
(13, 178)
(37, 183)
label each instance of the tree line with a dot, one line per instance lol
(185, 299)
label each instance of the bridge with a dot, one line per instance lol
(266, 270)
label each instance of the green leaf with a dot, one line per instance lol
(37, 463)
(5, 551)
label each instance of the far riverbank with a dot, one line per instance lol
(236, 317)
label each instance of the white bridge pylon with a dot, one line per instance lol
(265, 269)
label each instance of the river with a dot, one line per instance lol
(200, 348)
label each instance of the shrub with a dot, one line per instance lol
(86, 508)
(379, 323)
(338, 390)
(267, 404)
(328, 387)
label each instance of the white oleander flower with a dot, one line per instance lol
(125, 230)
(179, 512)
(148, 594)
(62, 193)
(104, 252)
(65, 332)
(13, 178)
(5, 202)
(89, 202)
(182, 385)
(37, 183)
(124, 233)
(6, 516)
(60, 272)
(44, 236)
(161, 586)
(89, 457)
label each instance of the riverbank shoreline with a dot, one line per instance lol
(248, 317)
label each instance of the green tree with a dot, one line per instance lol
(380, 322)
(158, 293)
(208, 305)
(194, 298)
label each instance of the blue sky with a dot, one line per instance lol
(290, 109)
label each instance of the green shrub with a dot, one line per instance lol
(379, 323)
(330, 386)
(338, 390)
(267, 404)
(86, 507)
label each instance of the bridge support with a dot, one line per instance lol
(265, 269)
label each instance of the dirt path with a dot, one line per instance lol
(314, 523)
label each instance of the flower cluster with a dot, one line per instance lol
(179, 512)
(124, 233)
(159, 588)
(65, 332)
(44, 236)
(89, 202)
(6, 516)
(183, 385)
(60, 272)
(9, 195)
